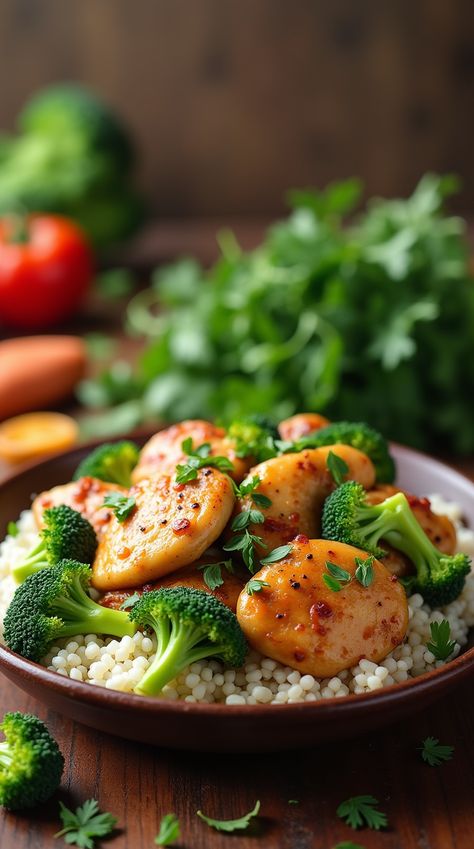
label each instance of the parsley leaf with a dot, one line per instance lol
(261, 500)
(84, 825)
(130, 601)
(364, 572)
(360, 810)
(12, 529)
(212, 573)
(337, 577)
(198, 458)
(433, 753)
(348, 844)
(255, 586)
(122, 505)
(247, 517)
(248, 488)
(441, 646)
(231, 825)
(337, 467)
(276, 555)
(169, 830)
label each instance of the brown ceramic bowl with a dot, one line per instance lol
(221, 727)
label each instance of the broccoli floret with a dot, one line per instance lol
(348, 518)
(70, 110)
(31, 763)
(360, 436)
(254, 436)
(66, 534)
(54, 603)
(110, 462)
(190, 625)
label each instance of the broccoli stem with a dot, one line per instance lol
(178, 647)
(82, 615)
(35, 561)
(6, 758)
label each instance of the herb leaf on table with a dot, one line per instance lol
(360, 810)
(231, 825)
(84, 825)
(169, 830)
(433, 753)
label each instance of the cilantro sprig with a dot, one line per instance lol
(440, 644)
(231, 825)
(361, 810)
(85, 825)
(433, 753)
(122, 505)
(198, 458)
(169, 830)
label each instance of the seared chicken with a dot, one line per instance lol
(85, 495)
(301, 425)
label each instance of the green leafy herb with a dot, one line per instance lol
(255, 586)
(276, 555)
(122, 505)
(249, 488)
(348, 844)
(83, 826)
(130, 601)
(231, 825)
(337, 577)
(247, 517)
(245, 542)
(212, 573)
(198, 458)
(293, 801)
(360, 810)
(115, 283)
(12, 529)
(364, 572)
(337, 467)
(433, 753)
(441, 645)
(169, 830)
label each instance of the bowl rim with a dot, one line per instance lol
(82, 691)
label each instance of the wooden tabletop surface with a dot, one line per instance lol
(427, 807)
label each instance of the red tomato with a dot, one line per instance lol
(46, 267)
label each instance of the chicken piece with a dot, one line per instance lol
(297, 485)
(162, 453)
(301, 623)
(190, 576)
(439, 529)
(170, 527)
(85, 495)
(301, 425)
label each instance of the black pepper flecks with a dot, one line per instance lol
(309, 556)
(295, 584)
(195, 506)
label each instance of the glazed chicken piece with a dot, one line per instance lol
(85, 495)
(170, 527)
(439, 529)
(191, 576)
(297, 485)
(301, 425)
(162, 453)
(301, 623)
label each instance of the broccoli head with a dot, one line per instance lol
(360, 436)
(31, 763)
(254, 436)
(347, 517)
(112, 462)
(67, 534)
(54, 603)
(189, 625)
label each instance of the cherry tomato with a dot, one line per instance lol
(46, 266)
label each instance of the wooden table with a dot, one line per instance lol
(427, 808)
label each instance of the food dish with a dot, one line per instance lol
(440, 482)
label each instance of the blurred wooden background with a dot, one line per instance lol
(234, 101)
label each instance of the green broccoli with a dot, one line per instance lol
(360, 436)
(31, 763)
(54, 603)
(66, 534)
(190, 625)
(254, 436)
(112, 462)
(348, 518)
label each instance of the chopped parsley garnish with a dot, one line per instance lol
(348, 844)
(12, 529)
(360, 810)
(441, 645)
(249, 488)
(276, 555)
(337, 467)
(231, 825)
(364, 572)
(169, 830)
(212, 573)
(85, 825)
(245, 543)
(198, 458)
(338, 577)
(435, 754)
(255, 586)
(130, 601)
(122, 505)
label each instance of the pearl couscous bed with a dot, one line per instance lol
(119, 664)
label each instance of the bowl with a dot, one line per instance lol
(226, 728)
